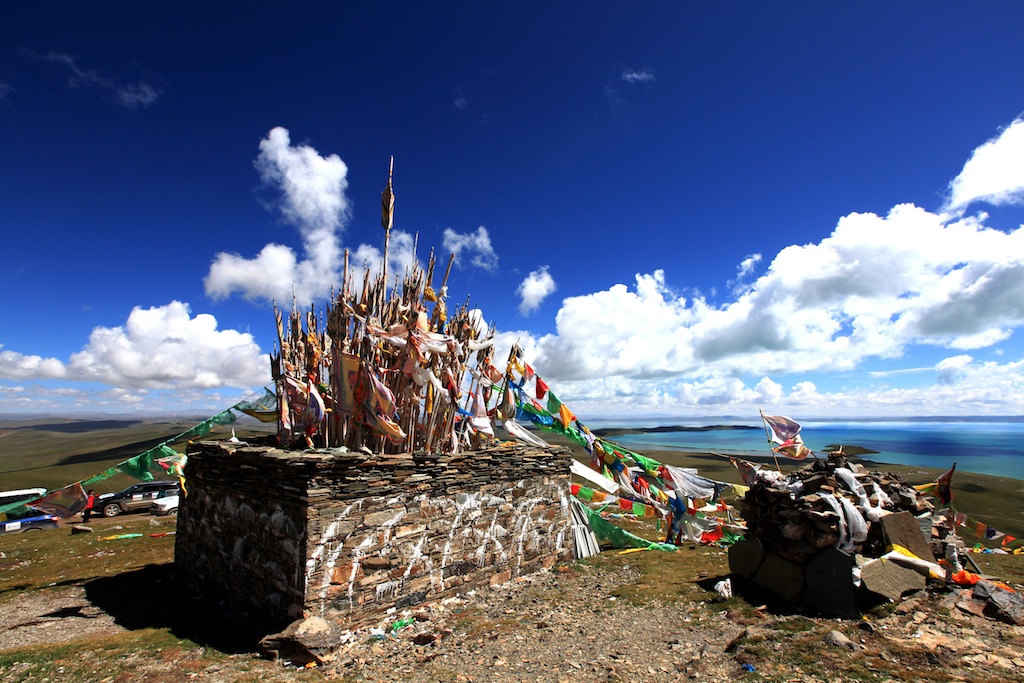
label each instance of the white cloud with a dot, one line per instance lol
(961, 385)
(476, 246)
(138, 95)
(638, 76)
(993, 174)
(873, 288)
(313, 200)
(16, 366)
(745, 268)
(952, 370)
(162, 347)
(534, 289)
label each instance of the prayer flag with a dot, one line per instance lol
(747, 469)
(944, 490)
(348, 376)
(506, 408)
(782, 428)
(565, 415)
(138, 467)
(63, 502)
(793, 448)
(542, 388)
(941, 488)
(317, 408)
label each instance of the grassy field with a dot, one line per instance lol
(52, 453)
(162, 635)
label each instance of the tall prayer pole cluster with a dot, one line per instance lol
(381, 370)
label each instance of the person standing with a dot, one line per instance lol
(90, 501)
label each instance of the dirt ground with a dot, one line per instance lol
(571, 624)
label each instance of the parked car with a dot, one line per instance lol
(21, 495)
(31, 520)
(167, 505)
(134, 498)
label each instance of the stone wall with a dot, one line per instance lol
(347, 536)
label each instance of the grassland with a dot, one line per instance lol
(115, 615)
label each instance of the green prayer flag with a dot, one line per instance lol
(105, 474)
(139, 466)
(585, 493)
(649, 464)
(606, 532)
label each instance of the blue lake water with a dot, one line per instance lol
(995, 448)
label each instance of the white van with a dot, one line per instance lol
(20, 495)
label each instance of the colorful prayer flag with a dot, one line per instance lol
(782, 428)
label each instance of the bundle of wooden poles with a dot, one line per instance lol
(381, 369)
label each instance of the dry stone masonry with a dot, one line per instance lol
(346, 537)
(809, 534)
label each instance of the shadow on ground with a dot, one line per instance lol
(81, 427)
(152, 598)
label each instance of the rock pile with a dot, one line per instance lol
(814, 534)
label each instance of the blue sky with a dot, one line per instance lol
(678, 209)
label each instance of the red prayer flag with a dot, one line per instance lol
(542, 388)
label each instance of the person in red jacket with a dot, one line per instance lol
(90, 501)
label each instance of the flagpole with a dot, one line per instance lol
(387, 198)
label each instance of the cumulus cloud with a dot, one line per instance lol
(871, 289)
(163, 347)
(16, 366)
(877, 287)
(994, 173)
(132, 95)
(312, 199)
(474, 247)
(960, 385)
(534, 289)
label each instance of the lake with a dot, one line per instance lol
(995, 448)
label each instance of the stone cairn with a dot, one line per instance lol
(812, 532)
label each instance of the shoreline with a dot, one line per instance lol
(996, 501)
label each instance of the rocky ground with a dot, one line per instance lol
(569, 626)
(602, 619)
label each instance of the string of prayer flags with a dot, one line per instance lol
(982, 530)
